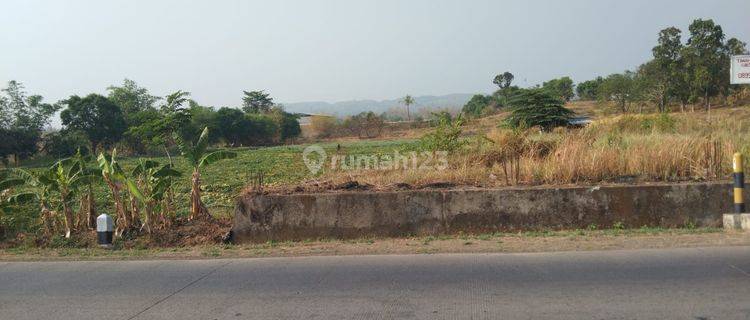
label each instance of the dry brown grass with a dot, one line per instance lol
(616, 149)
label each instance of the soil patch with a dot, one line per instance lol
(487, 243)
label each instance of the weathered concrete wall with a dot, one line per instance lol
(429, 212)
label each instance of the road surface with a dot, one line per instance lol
(702, 283)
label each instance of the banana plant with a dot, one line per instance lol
(67, 179)
(37, 189)
(6, 187)
(114, 177)
(149, 184)
(64, 179)
(198, 156)
(87, 205)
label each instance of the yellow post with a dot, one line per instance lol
(739, 183)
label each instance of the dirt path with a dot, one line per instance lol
(528, 242)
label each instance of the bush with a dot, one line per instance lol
(446, 136)
(64, 144)
(364, 125)
(477, 106)
(323, 126)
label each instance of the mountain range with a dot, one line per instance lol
(352, 107)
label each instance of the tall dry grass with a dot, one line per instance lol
(676, 147)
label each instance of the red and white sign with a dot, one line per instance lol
(740, 70)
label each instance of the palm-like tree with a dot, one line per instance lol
(198, 156)
(408, 101)
(175, 101)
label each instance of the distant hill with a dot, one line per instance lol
(352, 107)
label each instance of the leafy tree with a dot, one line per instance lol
(652, 84)
(262, 130)
(537, 107)
(503, 80)
(237, 128)
(408, 101)
(256, 102)
(200, 117)
(502, 97)
(96, 116)
(157, 127)
(64, 143)
(139, 112)
(199, 157)
(562, 87)
(620, 88)
(22, 120)
(144, 131)
(476, 105)
(19, 142)
(232, 125)
(736, 47)
(665, 71)
(704, 56)
(589, 90)
(131, 98)
(287, 123)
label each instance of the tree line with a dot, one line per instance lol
(681, 73)
(130, 118)
(685, 73)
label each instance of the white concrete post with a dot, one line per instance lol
(104, 230)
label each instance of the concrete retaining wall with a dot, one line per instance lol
(430, 212)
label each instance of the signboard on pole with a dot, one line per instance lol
(740, 70)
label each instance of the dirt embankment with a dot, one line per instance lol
(181, 233)
(582, 240)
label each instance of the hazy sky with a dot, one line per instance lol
(332, 50)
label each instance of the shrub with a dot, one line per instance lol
(323, 126)
(63, 144)
(364, 125)
(446, 136)
(477, 105)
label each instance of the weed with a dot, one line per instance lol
(619, 225)
(484, 236)
(212, 252)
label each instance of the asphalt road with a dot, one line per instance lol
(706, 283)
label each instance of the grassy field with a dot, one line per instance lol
(223, 181)
(614, 149)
